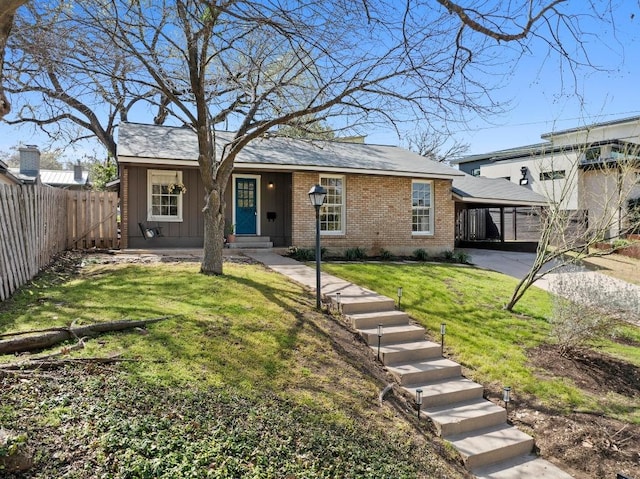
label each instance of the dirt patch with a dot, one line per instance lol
(585, 445)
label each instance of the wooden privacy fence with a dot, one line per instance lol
(38, 222)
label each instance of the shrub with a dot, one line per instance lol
(462, 257)
(582, 309)
(385, 254)
(449, 256)
(420, 255)
(355, 254)
(620, 243)
(305, 254)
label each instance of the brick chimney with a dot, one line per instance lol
(77, 172)
(29, 160)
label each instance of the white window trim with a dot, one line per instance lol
(343, 215)
(165, 218)
(432, 208)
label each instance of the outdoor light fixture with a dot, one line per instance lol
(380, 333)
(317, 195)
(419, 400)
(270, 185)
(524, 180)
(506, 397)
(399, 296)
(338, 305)
(443, 331)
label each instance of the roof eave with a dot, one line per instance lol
(288, 167)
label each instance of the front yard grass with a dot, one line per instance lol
(244, 379)
(490, 342)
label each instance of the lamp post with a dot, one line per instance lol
(317, 195)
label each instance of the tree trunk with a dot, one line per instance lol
(213, 233)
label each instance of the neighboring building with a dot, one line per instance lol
(6, 176)
(379, 197)
(579, 168)
(29, 172)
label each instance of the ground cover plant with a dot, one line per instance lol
(584, 411)
(244, 379)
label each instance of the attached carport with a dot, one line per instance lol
(494, 213)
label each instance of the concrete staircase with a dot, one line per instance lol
(477, 428)
(251, 242)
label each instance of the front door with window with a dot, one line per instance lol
(246, 206)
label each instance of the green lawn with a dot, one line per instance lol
(244, 379)
(488, 340)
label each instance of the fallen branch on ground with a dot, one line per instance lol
(47, 364)
(42, 340)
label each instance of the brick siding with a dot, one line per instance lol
(378, 215)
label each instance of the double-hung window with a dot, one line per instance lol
(332, 211)
(163, 196)
(422, 207)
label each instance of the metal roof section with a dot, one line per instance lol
(620, 121)
(510, 153)
(57, 178)
(138, 143)
(478, 189)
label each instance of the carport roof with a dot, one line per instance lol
(498, 191)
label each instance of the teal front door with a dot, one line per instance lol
(246, 206)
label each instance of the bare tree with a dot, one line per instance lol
(69, 83)
(7, 11)
(261, 65)
(436, 146)
(601, 189)
(250, 63)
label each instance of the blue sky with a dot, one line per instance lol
(541, 97)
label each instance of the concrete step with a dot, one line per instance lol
(251, 245)
(447, 391)
(491, 445)
(528, 466)
(393, 334)
(400, 353)
(252, 239)
(466, 416)
(422, 372)
(366, 304)
(371, 320)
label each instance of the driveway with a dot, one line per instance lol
(592, 286)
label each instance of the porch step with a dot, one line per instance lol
(447, 391)
(408, 352)
(393, 334)
(529, 466)
(373, 319)
(466, 416)
(425, 371)
(491, 445)
(251, 242)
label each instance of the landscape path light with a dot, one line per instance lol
(317, 195)
(380, 333)
(443, 331)
(506, 397)
(399, 296)
(419, 400)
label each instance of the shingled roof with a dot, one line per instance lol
(138, 143)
